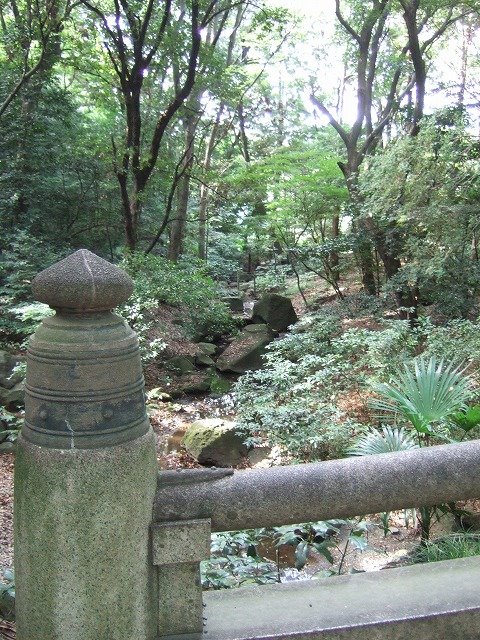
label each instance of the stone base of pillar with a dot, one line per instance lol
(82, 551)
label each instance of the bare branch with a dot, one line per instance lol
(335, 124)
(346, 25)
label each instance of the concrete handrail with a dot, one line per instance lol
(319, 491)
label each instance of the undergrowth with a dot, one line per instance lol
(313, 396)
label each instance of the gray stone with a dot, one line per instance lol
(257, 328)
(245, 352)
(180, 365)
(14, 397)
(189, 383)
(82, 549)
(203, 360)
(82, 281)
(177, 549)
(179, 542)
(8, 379)
(333, 489)
(435, 601)
(207, 348)
(277, 311)
(234, 303)
(215, 442)
(85, 468)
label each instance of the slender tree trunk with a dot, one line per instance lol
(334, 257)
(179, 223)
(364, 246)
(204, 190)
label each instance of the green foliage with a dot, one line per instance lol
(272, 279)
(312, 535)
(293, 400)
(422, 193)
(385, 441)
(10, 425)
(449, 547)
(426, 396)
(184, 285)
(235, 562)
(467, 419)
(7, 595)
(19, 264)
(235, 559)
(457, 341)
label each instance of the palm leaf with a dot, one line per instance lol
(385, 441)
(429, 394)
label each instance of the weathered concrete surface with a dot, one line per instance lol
(85, 469)
(332, 489)
(437, 601)
(83, 566)
(178, 548)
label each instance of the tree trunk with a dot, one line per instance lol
(334, 257)
(179, 223)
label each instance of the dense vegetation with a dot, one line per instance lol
(204, 144)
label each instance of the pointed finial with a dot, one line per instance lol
(82, 282)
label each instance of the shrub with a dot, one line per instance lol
(184, 285)
(19, 264)
(458, 341)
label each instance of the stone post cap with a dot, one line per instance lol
(82, 282)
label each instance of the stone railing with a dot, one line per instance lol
(93, 564)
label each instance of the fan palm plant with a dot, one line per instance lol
(426, 395)
(385, 441)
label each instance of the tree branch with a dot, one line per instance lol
(335, 124)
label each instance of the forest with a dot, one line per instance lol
(328, 152)
(236, 134)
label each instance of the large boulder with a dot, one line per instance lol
(215, 442)
(207, 348)
(245, 352)
(275, 310)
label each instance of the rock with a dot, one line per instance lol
(188, 383)
(245, 352)
(215, 442)
(180, 365)
(219, 386)
(207, 348)
(7, 604)
(158, 394)
(277, 311)
(255, 328)
(203, 360)
(8, 379)
(14, 396)
(234, 303)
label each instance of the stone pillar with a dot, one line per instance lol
(86, 467)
